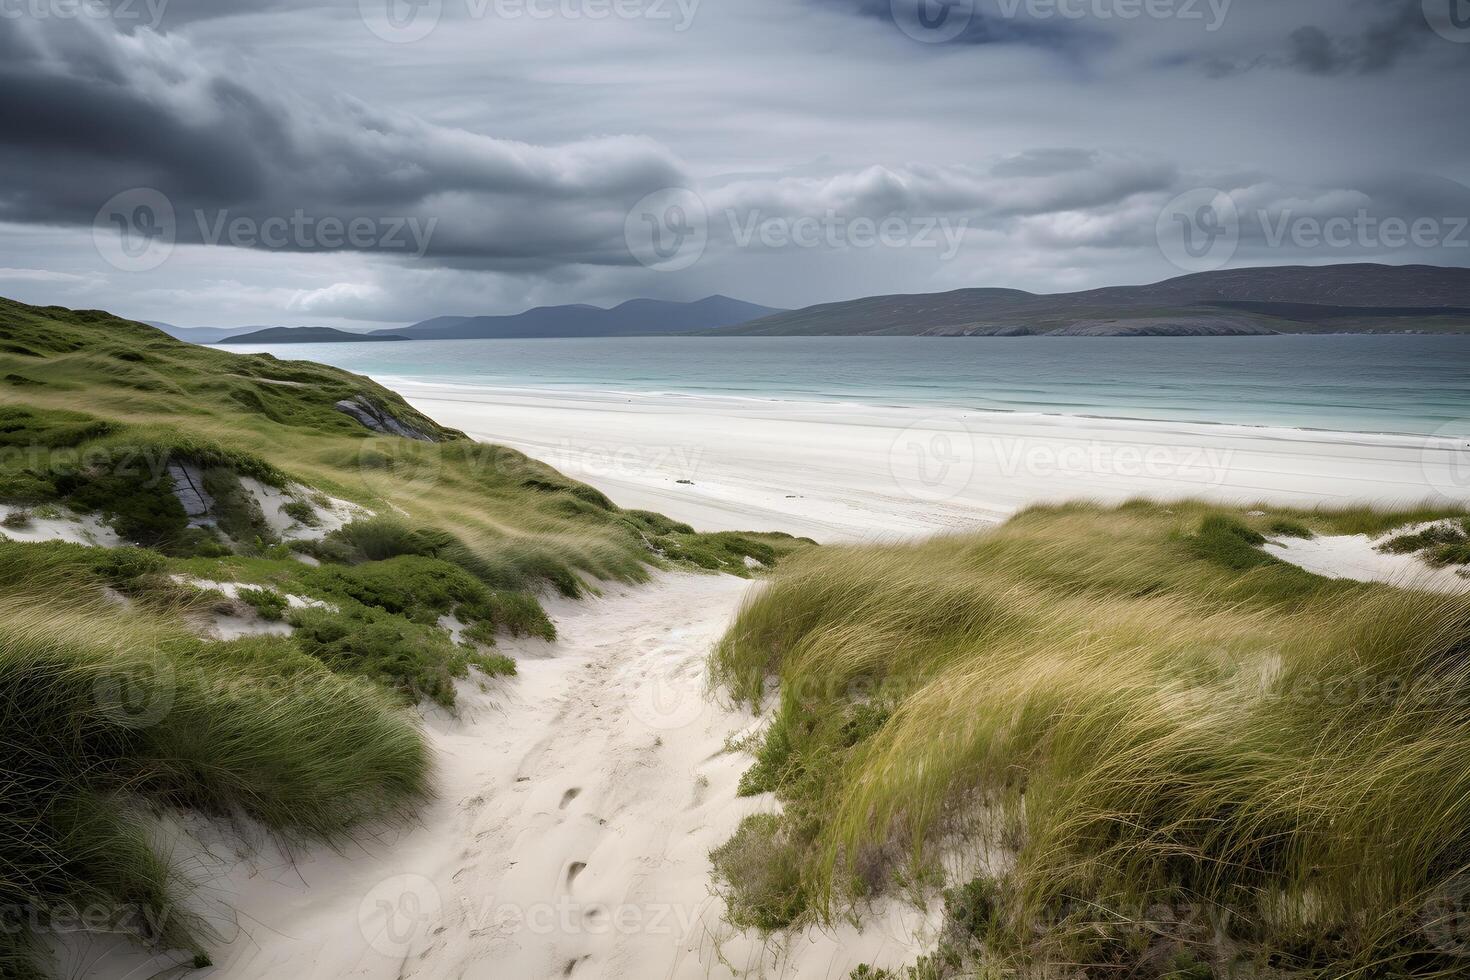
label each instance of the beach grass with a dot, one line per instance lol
(114, 711)
(1125, 740)
(109, 714)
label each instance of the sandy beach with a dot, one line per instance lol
(841, 472)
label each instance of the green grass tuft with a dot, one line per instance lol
(1283, 528)
(759, 869)
(268, 603)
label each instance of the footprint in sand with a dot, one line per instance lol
(701, 792)
(569, 796)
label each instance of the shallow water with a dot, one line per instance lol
(1408, 384)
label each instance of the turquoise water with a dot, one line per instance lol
(1408, 384)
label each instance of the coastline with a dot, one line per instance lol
(839, 471)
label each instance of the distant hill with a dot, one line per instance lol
(237, 335)
(633, 318)
(308, 335)
(1360, 298)
(195, 335)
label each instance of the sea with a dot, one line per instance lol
(1410, 384)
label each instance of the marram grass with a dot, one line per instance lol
(108, 714)
(1178, 756)
(112, 712)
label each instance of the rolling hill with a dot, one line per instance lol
(1359, 298)
(636, 317)
(309, 335)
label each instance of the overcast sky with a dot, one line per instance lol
(372, 162)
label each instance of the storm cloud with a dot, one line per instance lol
(500, 157)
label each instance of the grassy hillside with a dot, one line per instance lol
(114, 706)
(1174, 755)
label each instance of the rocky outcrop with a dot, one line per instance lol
(188, 483)
(362, 408)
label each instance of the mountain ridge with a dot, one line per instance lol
(1350, 298)
(634, 317)
(308, 335)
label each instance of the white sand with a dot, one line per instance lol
(273, 502)
(87, 529)
(1356, 557)
(578, 803)
(842, 472)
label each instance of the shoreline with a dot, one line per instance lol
(840, 472)
(572, 392)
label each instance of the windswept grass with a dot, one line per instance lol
(107, 714)
(1174, 748)
(111, 711)
(151, 400)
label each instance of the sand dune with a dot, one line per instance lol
(578, 803)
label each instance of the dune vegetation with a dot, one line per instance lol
(400, 551)
(1112, 743)
(1440, 544)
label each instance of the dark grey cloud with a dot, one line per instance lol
(1051, 144)
(89, 111)
(1366, 37)
(981, 26)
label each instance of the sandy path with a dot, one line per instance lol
(578, 803)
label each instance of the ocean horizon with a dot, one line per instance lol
(1391, 384)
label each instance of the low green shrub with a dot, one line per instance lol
(418, 661)
(759, 873)
(302, 512)
(1226, 541)
(236, 511)
(135, 499)
(268, 603)
(515, 613)
(1283, 528)
(1435, 536)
